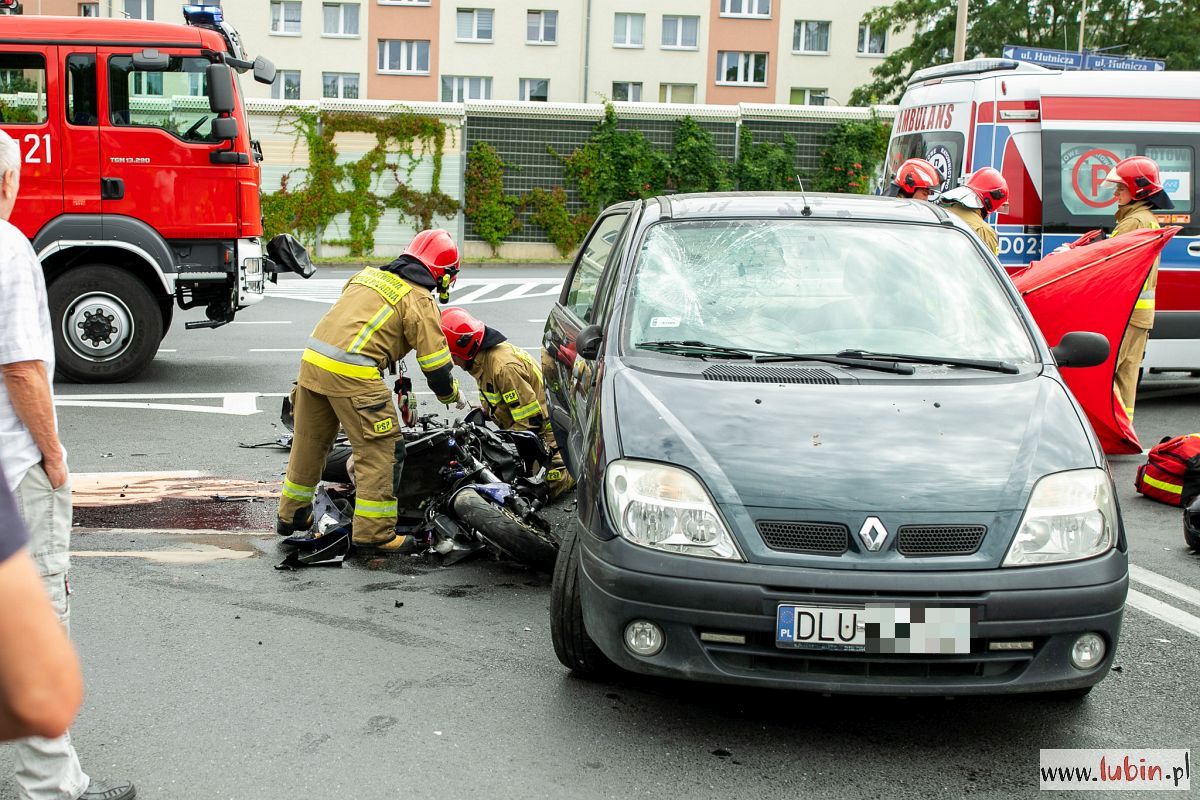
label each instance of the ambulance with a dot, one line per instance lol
(1054, 135)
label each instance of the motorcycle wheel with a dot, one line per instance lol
(503, 530)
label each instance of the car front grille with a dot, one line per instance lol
(820, 538)
(940, 540)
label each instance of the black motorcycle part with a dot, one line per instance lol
(503, 530)
(332, 554)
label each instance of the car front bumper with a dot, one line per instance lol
(1049, 606)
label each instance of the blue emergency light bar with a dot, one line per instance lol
(203, 15)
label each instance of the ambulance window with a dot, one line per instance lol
(1082, 167)
(174, 100)
(22, 88)
(81, 90)
(943, 149)
(1175, 165)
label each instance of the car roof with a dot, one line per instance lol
(792, 204)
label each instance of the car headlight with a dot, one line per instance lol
(666, 508)
(1070, 516)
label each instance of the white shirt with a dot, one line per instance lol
(25, 335)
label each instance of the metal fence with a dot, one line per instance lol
(524, 134)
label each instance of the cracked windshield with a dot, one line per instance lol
(820, 287)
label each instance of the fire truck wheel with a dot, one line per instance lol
(107, 324)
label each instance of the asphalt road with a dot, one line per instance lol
(219, 677)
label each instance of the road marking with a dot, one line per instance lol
(532, 320)
(1165, 612)
(261, 322)
(466, 291)
(1165, 585)
(235, 404)
(168, 556)
(276, 349)
(161, 350)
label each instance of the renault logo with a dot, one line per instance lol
(873, 534)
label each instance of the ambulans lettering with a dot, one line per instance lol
(925, 118)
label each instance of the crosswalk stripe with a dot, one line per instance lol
(1164, 584)
(1165, 612)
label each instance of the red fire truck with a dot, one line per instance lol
(140, 182)
(1055, 135)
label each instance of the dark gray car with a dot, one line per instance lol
(821, 444)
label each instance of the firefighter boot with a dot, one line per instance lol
(316, 425)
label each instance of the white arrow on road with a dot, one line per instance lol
(235, 404)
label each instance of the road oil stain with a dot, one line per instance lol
(185, 500)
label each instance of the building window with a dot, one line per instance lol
(405, 2)
(474, 25)
(137, 9)
(871, 42)
(341, 19)
(286, 85)
(89, 9)
(627, 90)
(285, 17)
(629, 30)
(810, 37)
(459, 88)
(745, 8)
(541, 27)
(535, 89)
(677, 93)
(748, 68)
(339, 85)
(404, 56)
(809, 97)
(680, 33)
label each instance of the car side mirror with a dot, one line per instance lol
(220, 89)
(587, 343)
(150, 60)
(1081, 349)
(264, 70)
(224, 129)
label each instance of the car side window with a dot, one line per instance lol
(581, 294)
(81, 90)
(608, 282)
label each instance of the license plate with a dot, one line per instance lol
(875, 628)
(821, 627)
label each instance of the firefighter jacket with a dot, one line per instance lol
(510, 382)
(378, 320)
(1134, 217)
(977, 224)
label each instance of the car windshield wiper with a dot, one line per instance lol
(767, 356)
(973, 363)
(694, 349)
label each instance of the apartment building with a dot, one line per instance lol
(670, 51)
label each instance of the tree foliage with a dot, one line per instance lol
(1166, 29)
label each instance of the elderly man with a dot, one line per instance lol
(35, 466)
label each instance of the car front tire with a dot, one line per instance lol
(574, 648)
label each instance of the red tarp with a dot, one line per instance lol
(1093, 288)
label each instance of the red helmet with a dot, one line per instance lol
(1140, 176)
(437, 251)
(464, 333)
(990, 187)
(914, 174)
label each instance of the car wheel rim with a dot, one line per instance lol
(98, 327)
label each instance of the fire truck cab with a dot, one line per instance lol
(139, 182)
(1054, 135)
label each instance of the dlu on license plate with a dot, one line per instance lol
(875, 628)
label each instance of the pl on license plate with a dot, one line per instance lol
(874, 628)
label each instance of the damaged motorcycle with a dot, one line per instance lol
(467, 487)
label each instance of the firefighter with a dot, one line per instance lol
(916, 180)
(983, 192)
(510, 383)
(381, 316)
(1138, 189)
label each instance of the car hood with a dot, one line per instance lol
(923, 445)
